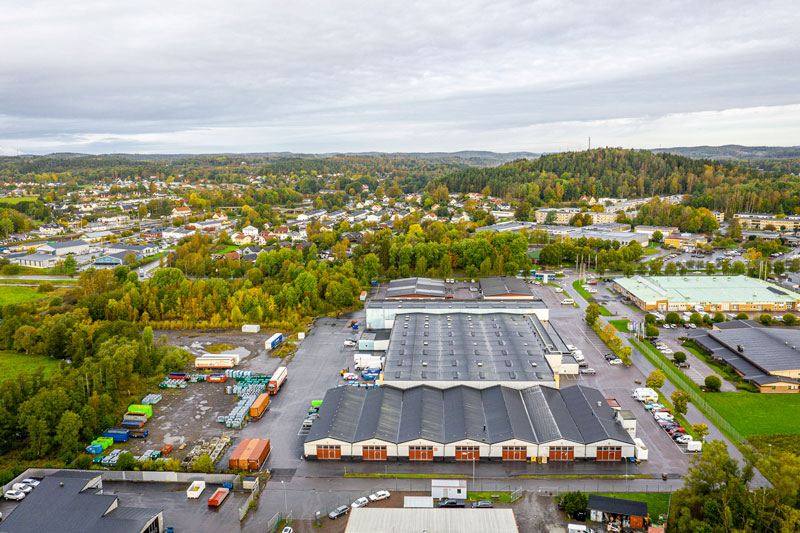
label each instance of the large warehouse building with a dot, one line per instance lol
(416, 288)
(505, 288)
(707, 293)
(767, 357)
(381, 313)
(468, 424)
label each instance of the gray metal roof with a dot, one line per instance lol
(495, 414)
(66, 244)
(503, 285)
(463, 347)
(58, 504)
(770, 349)
(458, 306)
(416, 287)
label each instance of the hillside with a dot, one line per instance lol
(734, 152)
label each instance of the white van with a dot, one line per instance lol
(578, 355)
(567, 301)
(644, 394)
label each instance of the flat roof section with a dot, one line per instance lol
(416, 288)
(705, 289)
(384, 520)
(456, 306)
(505, 286)
(463, 348)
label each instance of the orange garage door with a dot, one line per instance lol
(609, 453)
(467, 453)
(515, 453)
(329, 452)
(562, 453)
(374, 453)
(420, 453)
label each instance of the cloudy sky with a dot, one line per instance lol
(356, 75)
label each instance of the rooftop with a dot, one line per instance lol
(382, 520)
(505, 285)
(617, 506)
(416, 288)
(710, 289)
(462, 347)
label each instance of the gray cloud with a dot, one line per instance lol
(347, 75)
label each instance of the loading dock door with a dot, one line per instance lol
(609, 453)
(467, 453)
(374, 453)
(515, 453)
(420, 453)
(562, 453)
(329, 452)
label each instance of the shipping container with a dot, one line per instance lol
(277, 380)
(274, 341)
(258, 454)
(139, 433)
(217, 378)
(146, 409)
(139, 417)
(165, 449)
(251, 328)
(244, 459)
(119, 435)
(259, 406)
(233, 462)
(94, 449)
(218, 497)
(132, 424)
(177, 375)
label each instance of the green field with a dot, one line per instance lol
(17, 281)
(15, 201)
(756, 414)
(649, 251)
(13, 364)
(18, 295)
(621, 325)
(657, 502)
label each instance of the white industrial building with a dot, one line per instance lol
(78, 247)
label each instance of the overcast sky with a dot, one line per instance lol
(356, 75)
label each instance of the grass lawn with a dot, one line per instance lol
(650, 251)
(15, 201)
(724, 371)
(16, 281)
(487, 496)
(219, 348)
(657, 502)
(756, 413)
(18, 295)
(621, 325)
(589, 298)
(13, 364)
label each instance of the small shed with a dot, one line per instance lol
(629, 513)
(449, 488)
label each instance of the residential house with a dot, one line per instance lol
(240, 239)
(181, 211)
(250, 231)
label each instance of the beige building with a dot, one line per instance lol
(763, 220)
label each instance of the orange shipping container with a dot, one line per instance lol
(243, 459)
(259, 406)
(258, 454)
(233, 462)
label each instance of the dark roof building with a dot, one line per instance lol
(74, 502)
(416, 288)
(534, 418)
(606, 508)
(505, 288)
(767, 357)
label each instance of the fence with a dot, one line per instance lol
(680, 379)
(590, 487)
(251, 498)
(279, 520)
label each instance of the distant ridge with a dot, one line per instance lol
(734, 152)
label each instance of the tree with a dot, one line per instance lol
(70, 265)
(650, 318)
(679, 357)
(765, 319)
(670, 269)
(147, 336)
(719, 317)
(742, 316)
(592, 314)
(550, 219)
(203, 464)
(711, 267)
(713, 383)
(574, 502)
(656, 379)
(696, 318)
(125, 461)
(673, 318)
(701, 430)
(25, 339)
(789, 319)
(68, 435)
(779, 267)
(657, 236)
(651, 331)
(680, 401)
(735, 230)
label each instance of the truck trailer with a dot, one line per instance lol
(251, 328)
(260, 406)
(274, 341)
(362, 361)
(277, 380)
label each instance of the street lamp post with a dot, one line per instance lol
(285, 502)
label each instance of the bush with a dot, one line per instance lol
(696, 319)
(11, 270)
(82, 462)
(673, 318)
(765, 319)
(651, 331)
(126, 461)
(574, 502)
(650, 318)
(679, 357)
(719, 317)
(742, 316)
(46, 287)
(713, 383)
(789, 319)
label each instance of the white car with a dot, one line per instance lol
(615, 362)
(349, 343)
(30, 481)
(14, 495)
(349, 376)
(578, 356)
(361, 502)
(663, 416)
(24, 487)
(684, 439)
(380, 495)
(571, 348)
(559, 289)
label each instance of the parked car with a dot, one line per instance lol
(483, 504)
(380, 495)
(349, 376)
(682, 364)
(588, 371)
(287, 529)
(609, 356)
(339, 511)
(349, 343)
(583, 364)
(684, 439)
(24, 487)
(664, 416)
(571, 348)
(30, 481)
(14, 495)
(615, 362)
(653, 406)
(449, 502)
(361, 502)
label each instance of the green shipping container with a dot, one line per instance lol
(316, 403)
(146, 409)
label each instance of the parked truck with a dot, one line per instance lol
(260, 406)
(277, 380)
(640, 451)
(274, 341)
